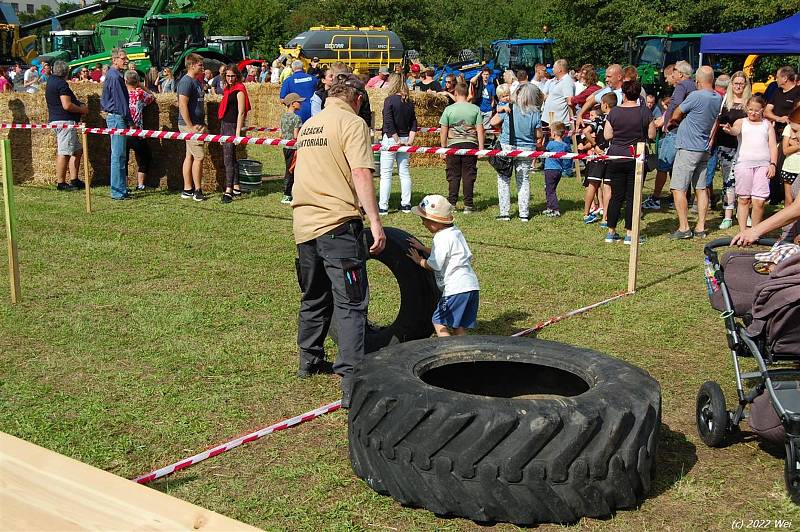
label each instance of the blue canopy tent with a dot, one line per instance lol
(778, 38)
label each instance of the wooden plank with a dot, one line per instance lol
(633, 262)
(10, 213)
(42, 490)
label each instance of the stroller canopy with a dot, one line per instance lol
(782, 37)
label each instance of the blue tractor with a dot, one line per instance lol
(513, 54)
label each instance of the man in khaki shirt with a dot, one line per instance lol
(333, 176)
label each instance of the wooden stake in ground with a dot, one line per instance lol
(633, 262)
(86, 179)
(10, 216)
(575, 149)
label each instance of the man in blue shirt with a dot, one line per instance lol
(114, 102)
(697, 115)
(302, 84)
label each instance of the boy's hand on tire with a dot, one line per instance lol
(416, 244)
(414, 255)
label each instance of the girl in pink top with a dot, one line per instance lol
(756, 161)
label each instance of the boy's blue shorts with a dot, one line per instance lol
(458, 310)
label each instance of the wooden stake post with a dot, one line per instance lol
(575, 150)
(86, 179)
(633, 263)
(10, 216)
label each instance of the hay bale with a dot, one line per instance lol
(33, 151)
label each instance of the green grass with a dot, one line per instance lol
(154, 328)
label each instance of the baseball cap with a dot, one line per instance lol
(292, 97)
(415, 67)
(383, 70)
(315, 59)
(435, 208)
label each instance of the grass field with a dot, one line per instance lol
(155, 328)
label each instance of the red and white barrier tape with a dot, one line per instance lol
(39, 126)
(261, 129)
(241, 440)
(212, 138)
(419, 130)
(555, 319)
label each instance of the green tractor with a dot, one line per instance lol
(68, 45)
(154, 39)
(651, 53)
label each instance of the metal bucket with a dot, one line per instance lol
(249, 173)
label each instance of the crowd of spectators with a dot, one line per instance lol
(707, 123)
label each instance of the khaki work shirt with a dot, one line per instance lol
(329, 146)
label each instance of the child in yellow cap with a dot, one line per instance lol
(449, 258)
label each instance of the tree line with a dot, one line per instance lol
(593, 31)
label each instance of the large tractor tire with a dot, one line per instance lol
(504, 429)
(418, 295)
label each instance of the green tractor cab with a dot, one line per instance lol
(68, 45)
(234, 47)
(651, 53)
(152, 38)
(162, 41)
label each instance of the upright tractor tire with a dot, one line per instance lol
(504, 429)
(418, 295)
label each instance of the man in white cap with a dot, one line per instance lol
(380, 80)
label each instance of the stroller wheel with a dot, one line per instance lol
(712, 417)
(791, 468)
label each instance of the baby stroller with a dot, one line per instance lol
(733, 286)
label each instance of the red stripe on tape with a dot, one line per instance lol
(184, 464)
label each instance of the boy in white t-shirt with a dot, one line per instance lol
(449, 258)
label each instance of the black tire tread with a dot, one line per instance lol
(487, 465)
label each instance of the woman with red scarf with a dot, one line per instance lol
(232, 113)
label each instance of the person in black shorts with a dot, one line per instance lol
(596, 182)
(780, 104)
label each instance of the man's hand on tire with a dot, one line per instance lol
(379, 240)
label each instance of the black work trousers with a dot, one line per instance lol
(332, 273)
(461, 168)
(622, 175)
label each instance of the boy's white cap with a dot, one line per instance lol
(435, 208)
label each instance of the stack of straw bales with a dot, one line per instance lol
(33, 151)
